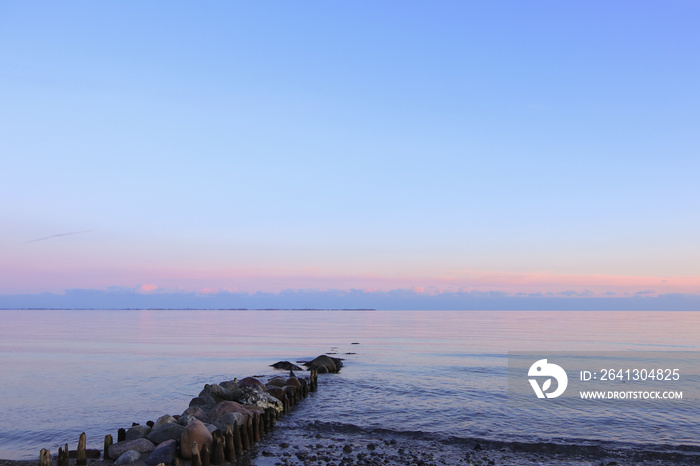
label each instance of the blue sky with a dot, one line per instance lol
(519, 147)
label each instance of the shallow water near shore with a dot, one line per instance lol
(423, 375)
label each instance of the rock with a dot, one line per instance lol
(137, 432)
(128, 457)
(347, 449)
(165, 419)
(277, 392)
(226, 407)
(230, 418)
(218, 393)
(164, 453)
(203, 402)
(276, 382)
(195, 431)
(167, 431)
(207, 397)
(141, 445)
(287, 366)
(195, 411)
(294, 382)
(252, 382)
(325, 364)
(264, 400)
(232, 387)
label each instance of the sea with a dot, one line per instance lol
(460, 377)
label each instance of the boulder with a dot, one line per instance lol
(165, 432)
(252, 382)
(137, 432)
(128, 457)
(232, 386)
(325, 364)
(218, 392)
(230, 418)
(226, 407)
(195, 411)
(164, 453)
(140, 445)
(287, 366)
(277, 392)
(195, 431)
(250, 396)
(293, 382)
(165, 419)
(276, 382)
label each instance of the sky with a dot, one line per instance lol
(232, 148)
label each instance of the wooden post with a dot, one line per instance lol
(249, 427)
(196, 460)
(81, 454)
(217, 448)
(261, 425)
(244, 436)
(237, 439)
(108, 443)
(63, 456)
(230, 450)
(256, 427)
(44, 457)
(121, 435)
(205, 456)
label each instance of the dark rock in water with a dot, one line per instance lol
(287, 366)
(325, 364)
(226, 407)
(164, 453)
(195, 411)
(128, 457)
(141, 445)
(195, 431)
(165, 432)
(477, 447)
(347, 449)
(137, 432)
(252, 382)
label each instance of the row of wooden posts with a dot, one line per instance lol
(226, 447)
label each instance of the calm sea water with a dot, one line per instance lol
(438, 373)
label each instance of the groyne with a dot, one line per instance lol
(224, 421)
